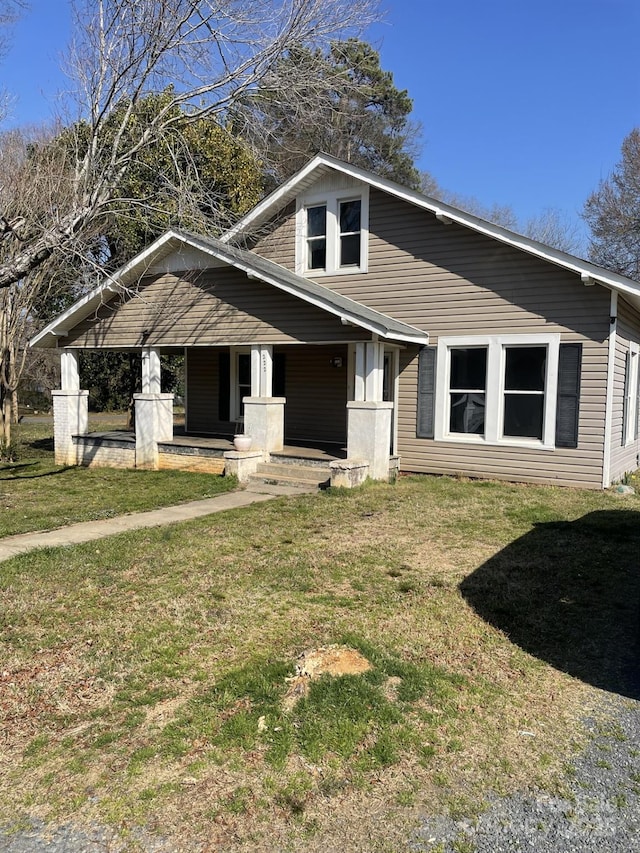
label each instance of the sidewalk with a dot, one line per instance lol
(86, 531)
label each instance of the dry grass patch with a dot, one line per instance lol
(167, 655)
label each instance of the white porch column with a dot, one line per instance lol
(70, 410)
(151, 371)
(261, 370)
(154, 423)
(368, 417)
(263, 413)
(369, 435)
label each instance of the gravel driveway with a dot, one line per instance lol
(601, 814)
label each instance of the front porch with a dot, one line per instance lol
(362, 445)
(305, 463)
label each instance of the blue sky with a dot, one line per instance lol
(522, 103)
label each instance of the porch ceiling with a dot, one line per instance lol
(348, 310)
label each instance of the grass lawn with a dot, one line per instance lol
(35, 494)
(142, 678)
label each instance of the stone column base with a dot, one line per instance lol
(369, 435)
(264, 422)
(70, 417)
(154, 423)
(348, 473)
(242, 464)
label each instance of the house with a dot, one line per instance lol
(347, 312)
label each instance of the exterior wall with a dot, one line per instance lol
(192, 462)
(623, 459)
(207, 308)
(448, 280)
(316, 393)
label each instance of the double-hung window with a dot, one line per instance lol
(332, 233)
(497, 390)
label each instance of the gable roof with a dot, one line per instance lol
(321, 164)
(347, 310)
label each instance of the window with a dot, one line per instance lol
(524, 384)
(630, 415)
(467, 390)
(497, 390)
(350, 233)
(332, 233)
(317, 237)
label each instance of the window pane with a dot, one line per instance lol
(469, 369)
(525, 368)
(317, 253)
(350, 216)
(317, 221)
(467, 413)
(244, 369)
(350, 250)
(523, 415)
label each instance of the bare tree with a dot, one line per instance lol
(10, 11)
(206, 53)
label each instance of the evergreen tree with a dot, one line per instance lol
(340, 102)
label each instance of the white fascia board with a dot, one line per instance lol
(443, 212)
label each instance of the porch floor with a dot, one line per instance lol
(219, 444)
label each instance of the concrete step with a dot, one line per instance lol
(284, 474)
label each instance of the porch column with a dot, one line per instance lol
(70, 410)
(154, 423)
(263, 413)
(368, 416)
(151, 371)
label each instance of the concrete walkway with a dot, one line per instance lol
(86, 531)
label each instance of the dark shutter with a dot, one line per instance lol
(279, 373)
(568, 405)
(224, 384)
(426, 392)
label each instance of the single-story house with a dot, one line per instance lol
(370, 325)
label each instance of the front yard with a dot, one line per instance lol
(142, 677)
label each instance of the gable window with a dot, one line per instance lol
(332, 233)
(350, 233)
(497, 390)
(317, 237)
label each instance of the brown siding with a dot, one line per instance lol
(316, 393)
(448, 280)
(219, 306)
(623, 459)
(202, 393)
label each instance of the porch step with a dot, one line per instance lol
(287, 474)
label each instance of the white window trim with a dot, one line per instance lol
(494, 392)
(631, 390)
(332, 201)
(234, 388)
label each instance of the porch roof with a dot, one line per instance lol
(348, 310)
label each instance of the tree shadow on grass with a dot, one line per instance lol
(18, 472)
(569, 594)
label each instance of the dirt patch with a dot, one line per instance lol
(328, 660)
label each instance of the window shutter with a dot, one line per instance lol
(567, 409)
(224, 384)
(426, 392)
(279, 373)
